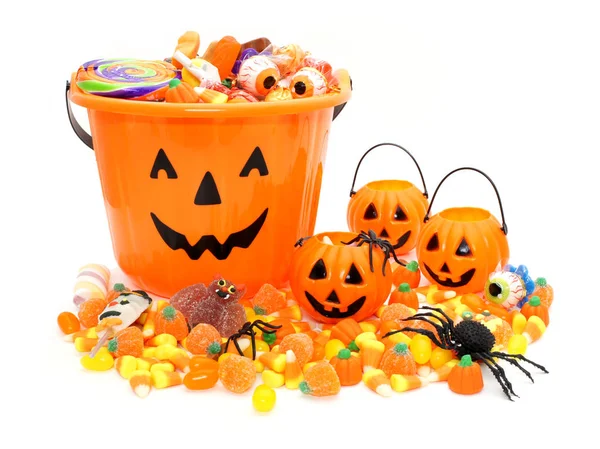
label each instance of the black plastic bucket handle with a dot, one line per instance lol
(503, 227)
(87, 139)
(352, 192)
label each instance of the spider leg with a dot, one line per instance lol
(496, 374)
(441, 312)
(512, 361)
(227, 344)
(253, 343)
(441, 331)
(425, 332)
(371, 257)
(487, 358)
(263, 323)
(354, 240)
(520, 357)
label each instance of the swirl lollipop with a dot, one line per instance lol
(126, 78)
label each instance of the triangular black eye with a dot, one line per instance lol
(318, 271)
(463, 249)
(162, 162)
(399, 215)
(256, 161)
(353, 277)
(371, 212)
(434, 243)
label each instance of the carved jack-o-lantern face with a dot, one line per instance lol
(208, 195)
(333, 281)
(459, 247)
(393, 209)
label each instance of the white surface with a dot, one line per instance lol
(511, 89)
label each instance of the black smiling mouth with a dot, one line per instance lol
(240, 239)
(402, 240)
(464, 279)
(335, 312)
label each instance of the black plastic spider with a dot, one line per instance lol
(468, 337)
(248, 329)
(372, 240)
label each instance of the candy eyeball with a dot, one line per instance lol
(308, 82)
(504, 288)
(258, 75)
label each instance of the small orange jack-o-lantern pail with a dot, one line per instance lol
(394, 209)
(196, 189)
(459, 247)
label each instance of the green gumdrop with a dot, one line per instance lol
(174, 82)
(169, 313)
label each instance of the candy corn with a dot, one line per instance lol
(441, 374)
(292, 312)
(210, 96)
(181, 360)
(293, 371)
(149, 325)
(162, 366)
(361, 338)
(141, 382)
(371, 354)
(165, 379)
(534, 329)
(145, 363)
(272, 378)
(162, 339)
(401, 383)
(274, 361)
(377, 381)
(519, 321)
(83, 344)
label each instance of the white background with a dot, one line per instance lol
(511, 88)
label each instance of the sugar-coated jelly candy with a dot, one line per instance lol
(237, 373)
(399, 360)
(321, 380)
(301, 344)
(201, 379)
(264, 398)
(68, 322)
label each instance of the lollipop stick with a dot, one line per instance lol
(99, 344)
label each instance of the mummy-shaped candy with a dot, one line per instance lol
(92, 282)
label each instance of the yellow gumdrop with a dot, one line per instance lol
(332, 347)
(307, 366)
(102, 361)
(399, 337)
(262, 346)
(440, 356)
(420, 347)
(264, 398)
(517, 344)
(272, 378)
(519, 322)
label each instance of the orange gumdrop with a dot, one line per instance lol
(286, 328)
(398, 360)
(68, 323)
(237, 373)
(171, 321)
(396, 312)
(300, 344)
(128, 341)
(268, 300)
(204, 339)
(321, 380)
(418, 324)
(89, 311)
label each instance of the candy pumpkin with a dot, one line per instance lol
(409, 274)
(394, 209)
(332, 280)
(348, 367)
(534, 307)
(459, 247)
(405, 295)
(466, 377)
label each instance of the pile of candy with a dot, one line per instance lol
(210, 334)
(227, 72)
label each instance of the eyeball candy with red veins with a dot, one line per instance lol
(258, 75)
(308, 82)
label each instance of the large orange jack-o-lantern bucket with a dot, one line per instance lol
(394, 209)
(196, 189)
(459, 247)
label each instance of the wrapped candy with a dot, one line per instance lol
(308, 82)
(289, 59)
(258, 75)
(280, 93)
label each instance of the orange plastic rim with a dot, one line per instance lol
(206, 110)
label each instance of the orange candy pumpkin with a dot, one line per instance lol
(459, 247)
(332, 280)
(404, 295)
(534, 307)
(544, 291)
(346, 331)
(409, 274)
(348, 367)
(466, 377)
(181, 92)
(394, 209)
(171, 321)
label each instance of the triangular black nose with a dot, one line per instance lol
(207, 193)
(332, 298)
(445, 268)
(384, 234)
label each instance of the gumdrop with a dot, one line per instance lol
(129, 341)
(203, 339)
(237, 373)
(398, 360)
(301, 345)
(268, 300)
(321, 380)
(89, 312)
(397, 312)
(187, 300)
(171, 321)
